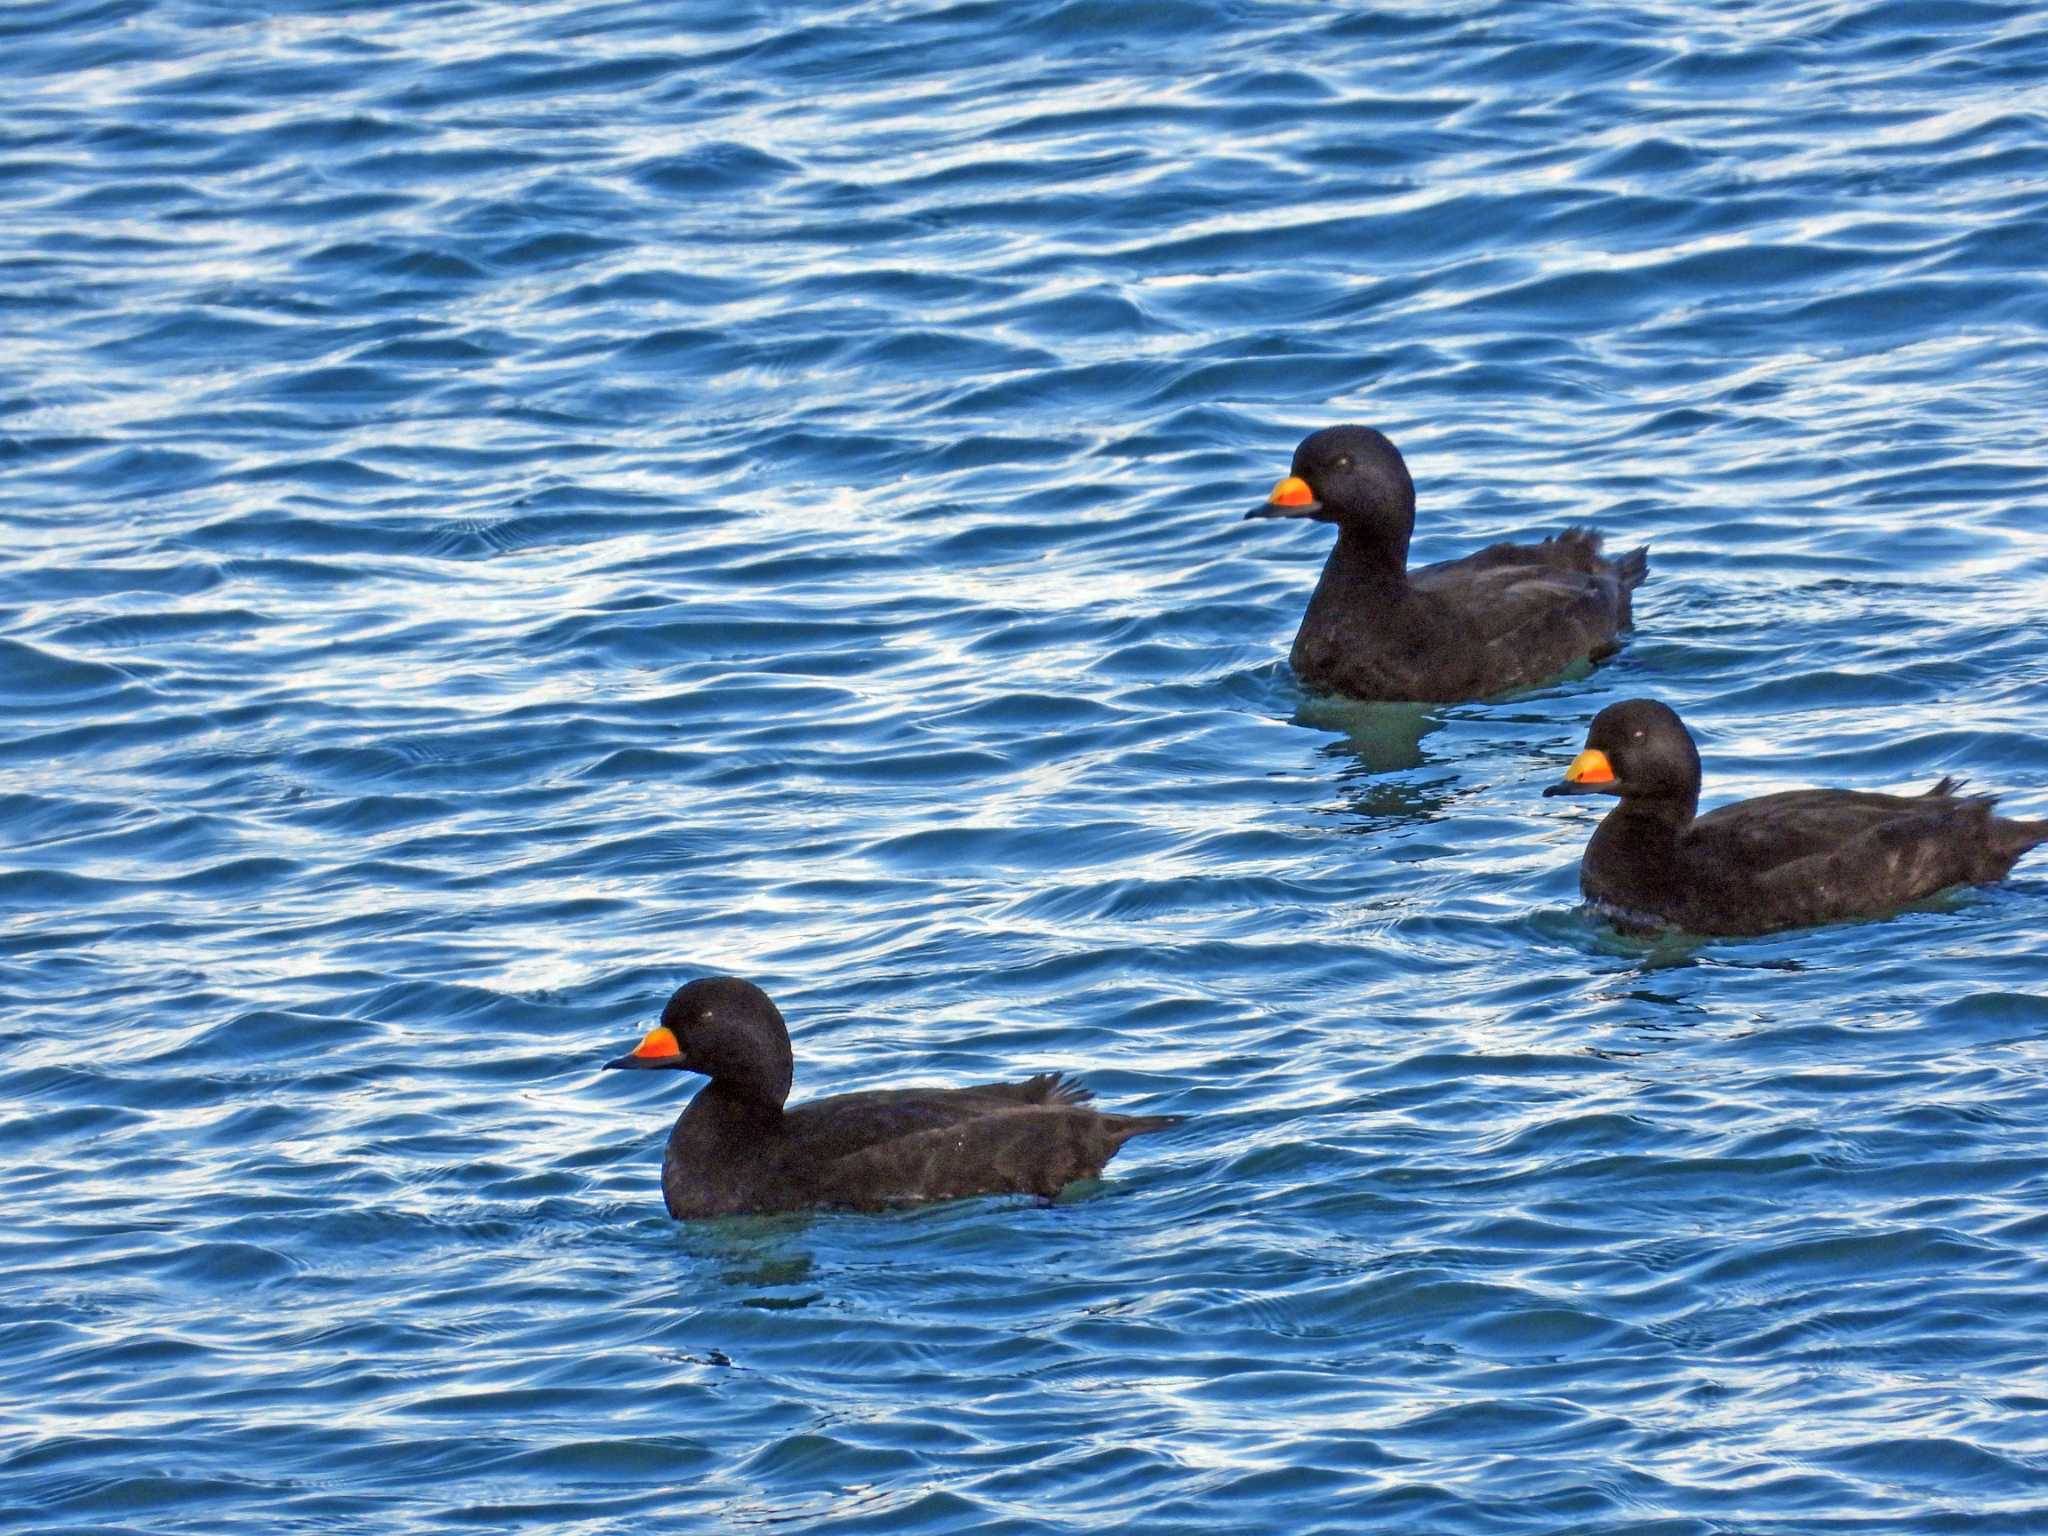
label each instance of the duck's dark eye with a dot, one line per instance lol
(1343, 461)
(1636, 735)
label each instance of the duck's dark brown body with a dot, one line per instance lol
(738, 1151)
(1788, 860)
(1511, 616)
(863, 1151)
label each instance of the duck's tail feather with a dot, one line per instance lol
(2016, 837)
(1631, 568)
(1123, 1127)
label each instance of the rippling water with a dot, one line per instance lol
(509, 508)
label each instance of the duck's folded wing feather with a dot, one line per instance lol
(849, 1123)
(1525, 624)
(1848, 855)
(1792, 826)
(1027, 1150)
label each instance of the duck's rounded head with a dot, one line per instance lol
(1353, 477)
(1638, 749)
(727, 1029)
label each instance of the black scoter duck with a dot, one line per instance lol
(737, 1151)
(1787, 860)
(1510, 616)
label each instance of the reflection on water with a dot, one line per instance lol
(759, 1260)
(1383, 738)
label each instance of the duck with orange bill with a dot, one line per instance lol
(1510, 616)
(738, 1150)
(1786, 860)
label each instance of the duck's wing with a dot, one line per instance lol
(1820, 855)
(1798, 824)
(1575, 552)
(1528, 611)
(1023, 1149)
(847, 1124)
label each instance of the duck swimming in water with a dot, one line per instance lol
(1787, 860)
(737, 1151)
(1510, 616)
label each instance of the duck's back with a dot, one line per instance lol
(891, 1146)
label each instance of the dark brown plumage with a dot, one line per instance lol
(1510, 616)
(1786, 860)
(736, 1150)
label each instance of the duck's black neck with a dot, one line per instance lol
(731, 1106)
(1361, 559)
(1651, 821)
(1633, 862)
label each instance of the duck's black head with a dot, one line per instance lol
(727, 1029)
(1353, 477)
(1638, 749)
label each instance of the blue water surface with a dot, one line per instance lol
(508, 508)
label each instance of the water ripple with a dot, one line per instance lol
(511, 509)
